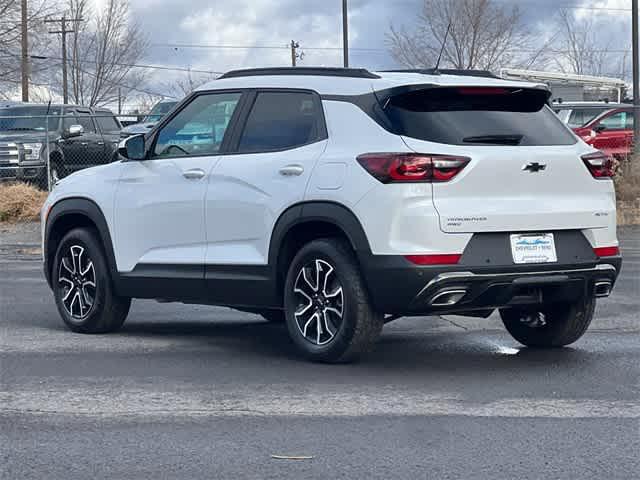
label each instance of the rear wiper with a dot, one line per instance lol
(495, 139)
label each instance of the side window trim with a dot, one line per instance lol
(321, 123)
(152, 137)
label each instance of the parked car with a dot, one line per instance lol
(335, 200)
(578, 114)
(78, 137)
(159, 110)
(610, 132)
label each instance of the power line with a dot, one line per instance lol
(249, 47)
(132, 65)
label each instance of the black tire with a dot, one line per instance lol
(358, 325)
(56, 172)
(549, 326)
(103, 312)
(273, 316)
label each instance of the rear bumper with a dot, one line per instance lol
(398, 287)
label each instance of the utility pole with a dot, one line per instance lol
(635, 50)
(345, 34)
(119, 101)
(294, 52)
(25, 52)
(63, 31)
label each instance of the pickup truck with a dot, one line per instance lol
(77, 138)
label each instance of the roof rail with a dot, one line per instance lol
(315, 71)
(446, 71)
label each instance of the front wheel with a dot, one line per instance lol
(327, 308)
(82, 285)
(549, 326)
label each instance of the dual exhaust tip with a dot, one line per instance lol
(602, 288)
(446, 298)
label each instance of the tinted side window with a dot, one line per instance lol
(107, 123)
(617, 121)
(199, 128)
(281, 120)
(581, 117)
(86, 121)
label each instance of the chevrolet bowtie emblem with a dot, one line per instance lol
(534, 167)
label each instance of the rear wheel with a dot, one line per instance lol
(82, 285)
(549, 326)
(328, 312)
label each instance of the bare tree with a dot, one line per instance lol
(188, 83)
(484, 34)
(581, 48)
(103, 51)
(10, 40)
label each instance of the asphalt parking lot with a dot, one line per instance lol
(204, 392)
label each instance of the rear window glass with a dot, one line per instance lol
(107, 123)
(478, 116)
(581, 116)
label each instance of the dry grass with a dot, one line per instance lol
(627, 180)
(20, 202)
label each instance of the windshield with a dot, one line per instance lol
(16, 119)
(159, 111)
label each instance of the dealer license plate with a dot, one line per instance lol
(533, 248)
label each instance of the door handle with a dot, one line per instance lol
(101, 144)
(292, 170)
(84, 144)
(194, 174)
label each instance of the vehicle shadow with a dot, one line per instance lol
(463, 353)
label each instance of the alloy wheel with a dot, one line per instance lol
(320, 302)
(77, 281)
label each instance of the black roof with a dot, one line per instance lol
(446, 71)
(315, 71)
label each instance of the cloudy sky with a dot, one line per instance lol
(188, 33)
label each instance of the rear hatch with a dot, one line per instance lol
(525, 172)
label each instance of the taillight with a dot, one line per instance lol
(599, 164)
(435, 259)
(483, 91)
(606, 251)
(412, 167)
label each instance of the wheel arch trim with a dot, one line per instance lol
(78, 206)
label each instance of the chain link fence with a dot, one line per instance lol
(43, 148)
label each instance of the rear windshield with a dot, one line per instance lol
(478, 116)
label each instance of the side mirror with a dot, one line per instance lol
(600, 128)
(132, 148)
(74, 131)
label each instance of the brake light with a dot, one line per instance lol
(606, 251)
(599, 164)
(483, 91)
(412, 167)
(437, 259)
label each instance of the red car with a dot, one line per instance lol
(611, 132)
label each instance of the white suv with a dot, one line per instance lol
(337, 199)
